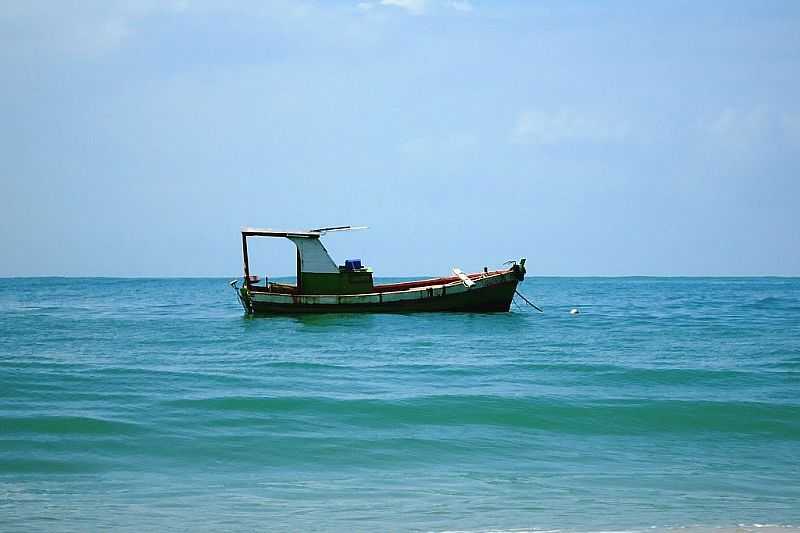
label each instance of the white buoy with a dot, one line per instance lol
(574, 311)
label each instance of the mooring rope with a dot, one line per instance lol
(529, 302)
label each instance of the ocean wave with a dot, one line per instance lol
(67, 425)
(774, 303)
(606, 417)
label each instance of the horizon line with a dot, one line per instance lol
(528, 276)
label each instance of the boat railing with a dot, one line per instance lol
(405, 285)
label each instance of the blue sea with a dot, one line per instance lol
(157, 405)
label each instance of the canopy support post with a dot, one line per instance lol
(246, 262)
(299, 288)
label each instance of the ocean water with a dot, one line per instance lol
(156, 405)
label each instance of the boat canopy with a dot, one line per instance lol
(312, 233)
(312, 257)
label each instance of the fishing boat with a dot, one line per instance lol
(325, 287)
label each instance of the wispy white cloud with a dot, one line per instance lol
(97, 28)
(415, 7)
(790, 123)
(542, 127)
(461, 5)
(749, 133)
(737, 128)
(419, 7)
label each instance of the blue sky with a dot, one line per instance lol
(594, 138)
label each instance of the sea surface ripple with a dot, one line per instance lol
(155, 404)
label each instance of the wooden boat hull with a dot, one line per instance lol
(489, 293)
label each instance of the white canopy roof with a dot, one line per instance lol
(310, 234)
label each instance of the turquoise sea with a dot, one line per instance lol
(156, 405)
